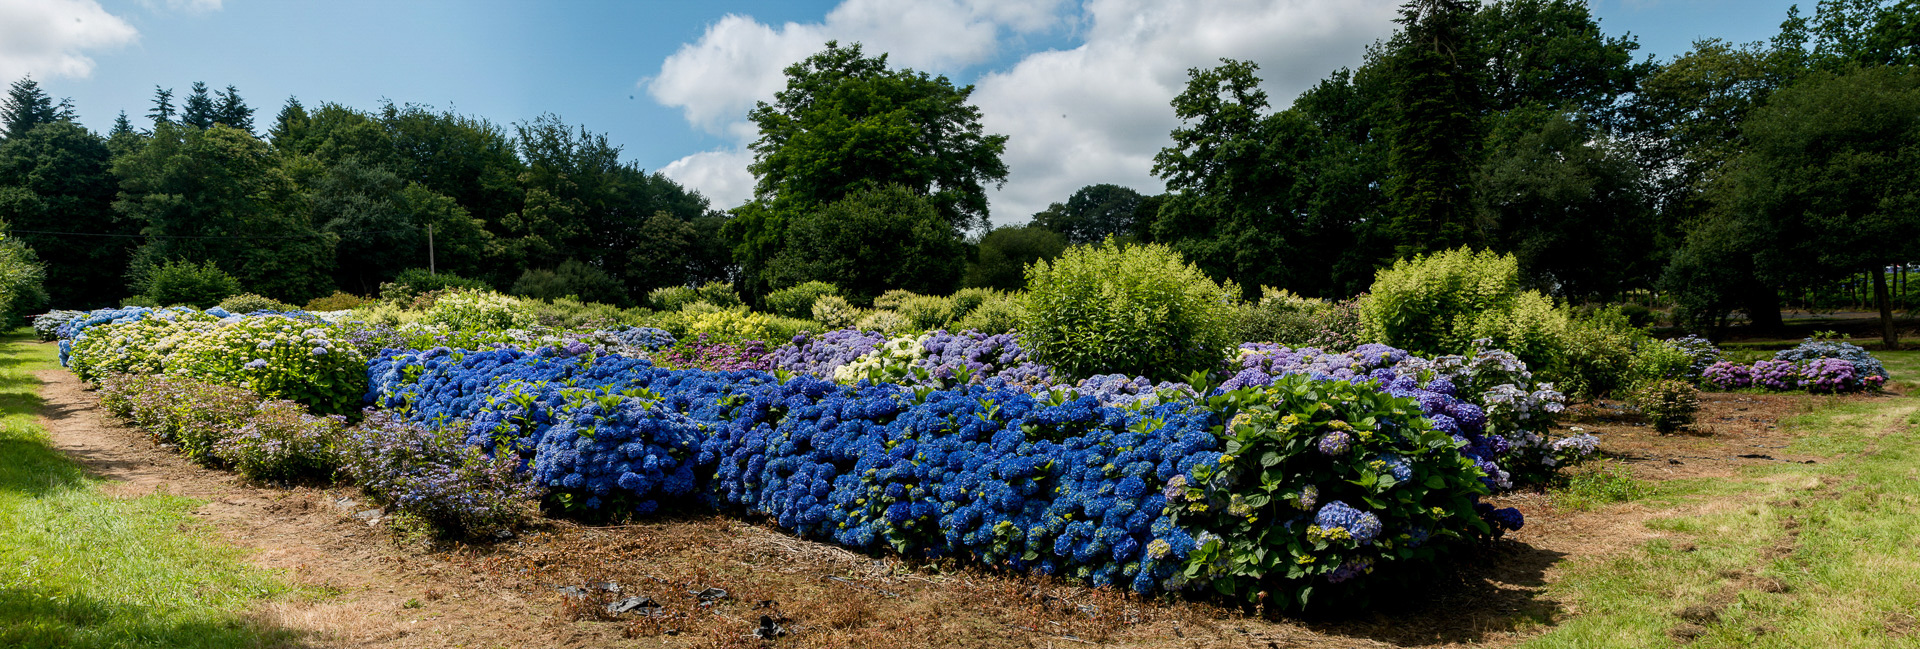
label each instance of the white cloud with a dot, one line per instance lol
(49, 38)
(1096, 113)
(721, 175)
(1099, 112)
(739, 61)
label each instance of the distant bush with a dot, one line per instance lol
(926, 312)
(199, 286)
(571, 279)
(1128, 309)
(967, 299)
(1670, 405)
(672, 298)
(1283, 317)
(249, 303)
(891, 299)
(1596, 355)
(339, 301)
(883, 321)
(415, 281)
(481, 310)
(833, 312)
(719, 294)
(1440, 304)
(797, 301)
(999, 314)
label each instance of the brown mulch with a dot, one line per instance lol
(551, 587)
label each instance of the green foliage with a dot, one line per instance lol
(416, 281)
(997, 315)
(277, 357)
(883, 321)
(58, 177)
(1006, 251)
(339, 301)
(1092, 214)
(1596, 356)
(1283, 317)
(479, 310)
(195, 416)
(138, 348)
(183, 282)
(719, 294)
(570, 279)
(1669, 404)
(1296, 447)
(1655, 360)
(926, 312)
(1129, 309)
(672, 298)
(967, 299)
(1440, 304)
(1602, 485)
(797, 301)
(249, 303)
(280, 441)
(22, 288)
(871, 241)
(834, 312)
(891, 299)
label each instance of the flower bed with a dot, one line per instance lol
(1815, 366)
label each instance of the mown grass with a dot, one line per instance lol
(1783, 555)
(1600, 484)
(79, 568)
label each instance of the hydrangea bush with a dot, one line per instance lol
(277, 356)
(1818, 366)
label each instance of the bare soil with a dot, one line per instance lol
(367, 586)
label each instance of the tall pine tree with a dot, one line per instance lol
(162, 111)
(1434, 142)
(27, 106)
(198, 110)
(234, 111)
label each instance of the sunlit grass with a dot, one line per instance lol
(1786, 555)
(79, 568)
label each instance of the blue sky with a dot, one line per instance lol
(1080, 86)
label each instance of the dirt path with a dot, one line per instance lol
(365, 581)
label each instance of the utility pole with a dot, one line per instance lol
(430, 269)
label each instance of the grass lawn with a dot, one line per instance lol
(79, 568)
(1782, 555)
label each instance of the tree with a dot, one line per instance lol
(25, 107)
(872, 241)
(57, 178)
(845, 124)
(227, 188)
(199, 110)
(1566, 201)
(1006, 251)
(1831, 178)
(381, 222)
(1438, 95)
(233, 111)
(1092, 214)
(162, 111)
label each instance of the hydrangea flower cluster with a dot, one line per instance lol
(279, 356)
(820, 355)
(721, 356)
(893, 361)
(47, 325)
(1864, 364)
(1487, 399)
(1818, 375)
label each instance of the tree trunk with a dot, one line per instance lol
(1887, 333)
(1763, 310)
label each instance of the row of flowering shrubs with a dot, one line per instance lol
(1818, 366)
(1152, 496)
(1307, 470)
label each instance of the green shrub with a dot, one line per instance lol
(1668, 404)
(339, 301)
(883, 321)
(967, 299)
(997, 315)
(277, 357)
(195, 416)
(412, 282)
(138, 347)
(719, 294)
(891, 299)
(926, 311)
(1655, 360)
(280, 441)
(1440, 304)
(834, 312)
(571, 279)
(1282, 317)
(797, 301)
(200, 286)
(249, 303)
(22, 282)
(1129, 309)
(567, 313)
(479, 310)
(1596, 356)
(672, 298)
(1297, 452)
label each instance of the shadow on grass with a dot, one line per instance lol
(32, 619)
(1497, 591)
